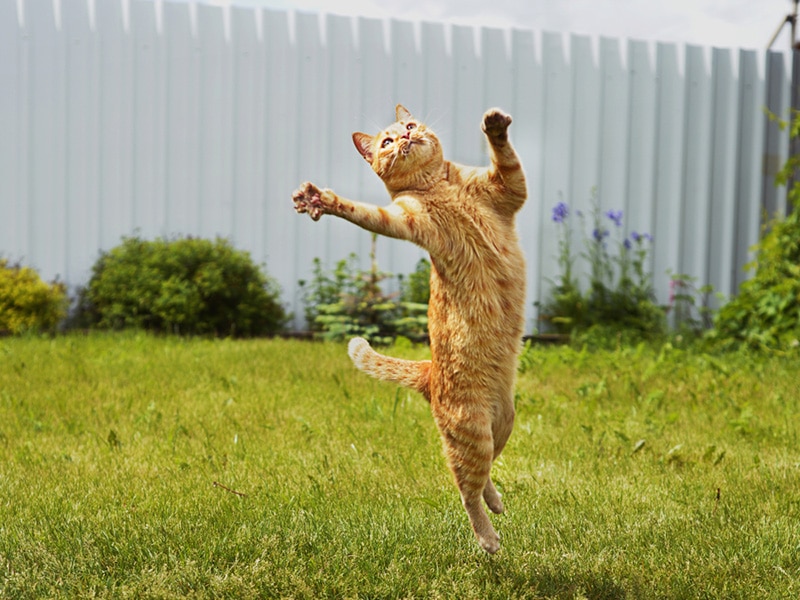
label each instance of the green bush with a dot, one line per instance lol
(766, 312)
(188, 285)
(349, 302)
(27, 303)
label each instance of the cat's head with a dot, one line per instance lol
(404, 154)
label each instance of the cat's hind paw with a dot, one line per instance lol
(495, 124)
(492, 498)
(308, 199)
(490, 543)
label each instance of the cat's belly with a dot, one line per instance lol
(461, 331)
(492, 323)
(476, 310)
(474, 361)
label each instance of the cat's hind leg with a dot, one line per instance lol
(502, 424)
(492, 497)
(469, 448)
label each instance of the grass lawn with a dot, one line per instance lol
(140, 467)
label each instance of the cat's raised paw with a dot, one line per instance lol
(308, 199)
(495, 124)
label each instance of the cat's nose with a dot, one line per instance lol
(407, 135)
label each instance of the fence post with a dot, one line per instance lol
(772, 199)
(794, 142)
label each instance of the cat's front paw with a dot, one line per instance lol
(495, 124)
(308, 199)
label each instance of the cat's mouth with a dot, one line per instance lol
(406, 149)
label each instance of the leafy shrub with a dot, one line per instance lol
(689, 304)
(187, 285)
(349, 302)
(328, 288)
(766, 312)
(27, 303)
(619, 296)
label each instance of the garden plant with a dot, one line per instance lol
(349, 302)
(28, 304)
(619, 296)
(190, 286)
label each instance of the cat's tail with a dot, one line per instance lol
(414, 374)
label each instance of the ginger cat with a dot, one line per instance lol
(465, 218)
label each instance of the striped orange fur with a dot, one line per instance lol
(465, 218)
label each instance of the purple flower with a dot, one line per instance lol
(627, 244)
(635, 236)
(560, 212)
(616, 216)
(599, 235)
(641, 237)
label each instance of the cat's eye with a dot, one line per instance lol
(411, 126)
(386, 142)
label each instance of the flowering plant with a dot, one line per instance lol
(619, 294)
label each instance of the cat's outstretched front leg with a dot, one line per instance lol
(506, 167)
(308, 198)
(395, 220)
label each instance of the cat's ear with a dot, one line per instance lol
(363, 144)
(402, 113)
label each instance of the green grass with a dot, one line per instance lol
(138, 467)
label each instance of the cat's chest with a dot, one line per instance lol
(461, 229)
(473, 230)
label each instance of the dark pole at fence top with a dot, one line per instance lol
(794, 48)
(792, 20)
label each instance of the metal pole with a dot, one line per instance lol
(792, 20)
(794, 100)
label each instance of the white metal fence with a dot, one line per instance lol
(187, 119)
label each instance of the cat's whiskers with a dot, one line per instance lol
(394, 160)
(374, 124)
(434, 124)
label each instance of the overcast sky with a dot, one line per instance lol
(721, 23)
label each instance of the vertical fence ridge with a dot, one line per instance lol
(13, 101)
(198, 120)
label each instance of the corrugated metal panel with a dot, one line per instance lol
(670, 166)
(13, 117)
(174, 125)
(748, 170)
